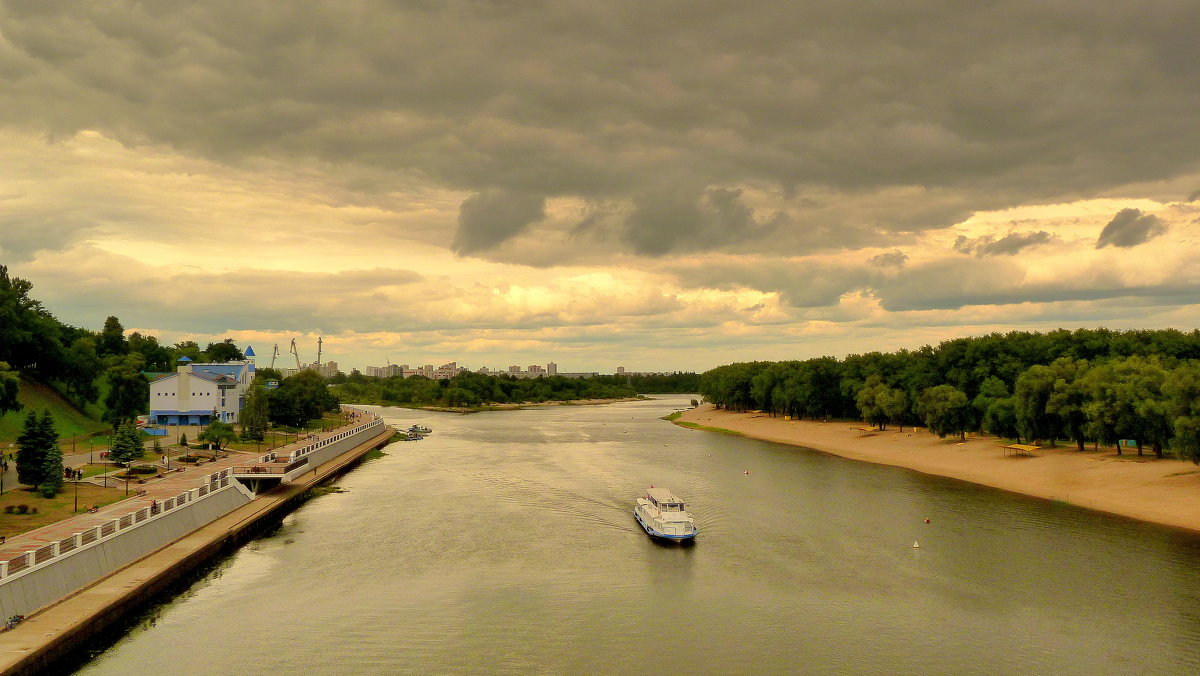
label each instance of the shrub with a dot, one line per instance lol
(33, 510)
(22, 509)
(47, 492)
(143, 469)
(9, 509)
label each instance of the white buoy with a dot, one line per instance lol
(916, 545)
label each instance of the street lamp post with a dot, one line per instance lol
(77, 495)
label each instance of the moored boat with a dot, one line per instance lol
(664, 515)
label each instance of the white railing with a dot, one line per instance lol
(22, 564)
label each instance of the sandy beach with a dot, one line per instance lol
(1160, 491)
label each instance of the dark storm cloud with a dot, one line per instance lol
(1009, 245)
(1129, 228)
(892, 259)
(489, 218)
(831, 105)
(677, 221)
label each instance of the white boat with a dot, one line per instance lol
(664, 515)
(419, 429)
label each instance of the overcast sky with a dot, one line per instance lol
(661, 185)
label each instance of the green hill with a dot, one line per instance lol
(68, 420)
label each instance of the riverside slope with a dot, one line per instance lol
(1166, 492)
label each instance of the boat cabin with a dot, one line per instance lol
(664, 500)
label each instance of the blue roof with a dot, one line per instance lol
(249, 351)
(184, 358)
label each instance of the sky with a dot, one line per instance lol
(669, 185)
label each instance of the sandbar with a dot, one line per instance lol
(1165, 492)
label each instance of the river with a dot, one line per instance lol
(505, 543)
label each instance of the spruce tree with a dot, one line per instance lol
(52, 462)
(31, 453)
(127, 443)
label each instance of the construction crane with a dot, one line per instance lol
(319, 341)
(297, 355)
(274, 354)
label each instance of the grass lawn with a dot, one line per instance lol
(51, 510)
(68, 421)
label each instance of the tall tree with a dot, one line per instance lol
(52, 458)
(31, 451)
(10, 385)
(946, 410)
(223, 351)
(128, 390)
(1068, 398)
(254, 414)
(112, 339)
(1182, 389)
(1033, 390)
(126, 444)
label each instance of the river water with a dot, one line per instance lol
(505, 543)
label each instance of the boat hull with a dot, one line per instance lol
(650, 530)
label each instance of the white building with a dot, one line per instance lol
(191, 394)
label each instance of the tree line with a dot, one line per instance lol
(1089, 385)
(469, 389)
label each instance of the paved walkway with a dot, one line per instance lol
(64, 624)
(153, 491)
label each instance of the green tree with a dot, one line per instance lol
(126, 443)
(81, 369)
(255, 413)
(10, 385)
(879, 403)
(301, 398)
(1182, 388)
(1068, 398)
(1033, 390)
(32, 445)
(112, 339)
(128, 390)
(946, 410)
(1000, 418)
(223, 351)
(218, 433)
(52, 459)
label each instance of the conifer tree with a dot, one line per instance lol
(52, 459)
(127, 443)
(31, 451)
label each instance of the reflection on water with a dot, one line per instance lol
(505, 543)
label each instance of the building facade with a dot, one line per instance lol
(195, 393)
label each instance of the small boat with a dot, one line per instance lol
(419, 429)
(664, 515)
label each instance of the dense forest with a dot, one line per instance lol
(1088, 385)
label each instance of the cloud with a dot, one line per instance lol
(487, 219)
(1129, 228)
(823, 108)
(891, 259)
(680, 221)
(1009, 245)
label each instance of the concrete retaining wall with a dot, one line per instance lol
(23, 593)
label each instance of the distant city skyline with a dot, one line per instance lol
(668, 186)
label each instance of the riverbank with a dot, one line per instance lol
(1165, 492)
(510, 406)
(52, 632)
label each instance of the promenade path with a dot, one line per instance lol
(154, 491)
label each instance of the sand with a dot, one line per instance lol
(1165, 492)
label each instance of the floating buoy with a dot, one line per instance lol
(916, 545)
(926, 519)
(747, 472)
